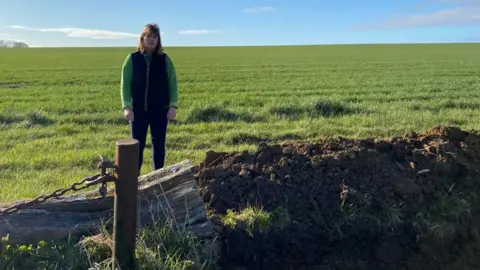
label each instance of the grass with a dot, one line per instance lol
(60, 108)
(255, 220)
(160, 247)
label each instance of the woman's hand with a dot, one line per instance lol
(128, 113)
(172, 113)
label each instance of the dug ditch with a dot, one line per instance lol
(401, 203)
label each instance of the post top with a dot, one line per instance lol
(127, 142)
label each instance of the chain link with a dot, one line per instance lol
(87, 182)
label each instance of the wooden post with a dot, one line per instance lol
(125, 205)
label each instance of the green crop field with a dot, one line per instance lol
(60, 107)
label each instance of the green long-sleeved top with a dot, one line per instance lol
(127, 70)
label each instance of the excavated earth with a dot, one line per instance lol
(407, 202)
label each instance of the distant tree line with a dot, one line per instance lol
(12, 44)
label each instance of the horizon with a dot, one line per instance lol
(188, 23)
(250, 46)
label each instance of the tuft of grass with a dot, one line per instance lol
(440, 222)
(254, 220)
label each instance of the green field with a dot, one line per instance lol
(60, 108)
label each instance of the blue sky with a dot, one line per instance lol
(239, 22)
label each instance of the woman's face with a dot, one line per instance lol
(151, 41)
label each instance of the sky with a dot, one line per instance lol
(91, 23)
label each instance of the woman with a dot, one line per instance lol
(149, 93)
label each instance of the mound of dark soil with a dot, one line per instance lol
(400, 203)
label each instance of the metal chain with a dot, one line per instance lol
(103, 165)
(87, 182)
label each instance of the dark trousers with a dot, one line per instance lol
(157, 120)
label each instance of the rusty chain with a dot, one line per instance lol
(102, 178)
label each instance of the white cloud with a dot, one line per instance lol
(198, 32)
(81, 32)
(460, 13)
(18, 27)
(451, 17)
(259, 9)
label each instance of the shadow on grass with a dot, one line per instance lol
(317, 109)
(446, 105)
(28, 120)
(245, 138)
(218, 114)
(241, 138)
(96, 120)
(459, 105)
(5, 85)
(288, 112)
(333, 109)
